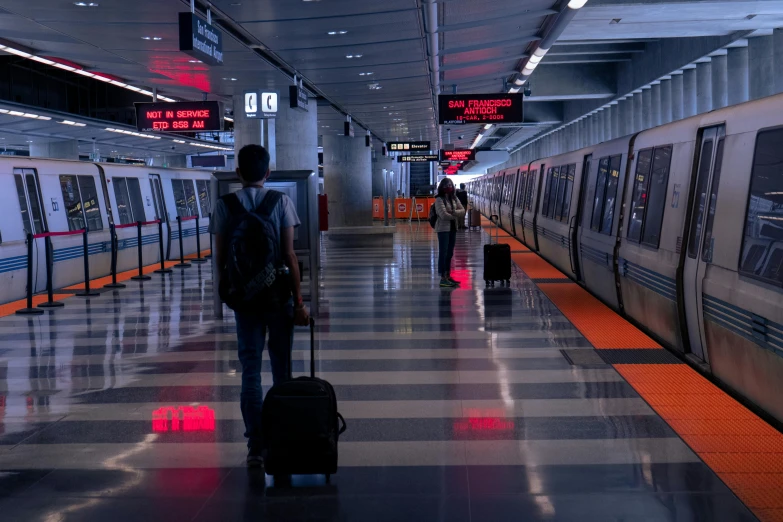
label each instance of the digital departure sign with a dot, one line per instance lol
(396, 146)
(460, 109)
(418, 158)
(457, 155)
(179, 117)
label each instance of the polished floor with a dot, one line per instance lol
(467, 404)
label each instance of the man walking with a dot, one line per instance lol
(279, 317)
(462, 196)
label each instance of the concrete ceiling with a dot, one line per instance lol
(481, 44)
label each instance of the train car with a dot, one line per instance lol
(656, 232)
(506, 203)
(57, 196)
(518, 201)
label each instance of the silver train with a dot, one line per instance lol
(678, 228)
(43, 195)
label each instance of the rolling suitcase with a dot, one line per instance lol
(497, 258)
(301, 425)
(474, 218)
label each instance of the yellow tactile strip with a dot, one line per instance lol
(13, 306)
(742, 449)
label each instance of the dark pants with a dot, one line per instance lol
(446, 242)
(251, 333)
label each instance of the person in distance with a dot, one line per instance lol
(450, 212)
(462, 196)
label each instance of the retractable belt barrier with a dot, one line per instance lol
(140, 276)
(182, 263)
(114, 248)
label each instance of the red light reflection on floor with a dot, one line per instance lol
(483, 424)
(194, 418)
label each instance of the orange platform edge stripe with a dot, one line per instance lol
(740, 447)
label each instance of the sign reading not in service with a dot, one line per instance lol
(460, 109)
(260, 104)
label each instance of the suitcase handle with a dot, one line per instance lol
(496, 221)
(312, 347)
(344, 427)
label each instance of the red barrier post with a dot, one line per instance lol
(50, 302)
(162, 269)
(182, 263)
(198, 259)
(114, 248)
(86, 255)
(140, 276)
(29, 310)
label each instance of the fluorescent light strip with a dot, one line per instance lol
(209, 146)
(131, 133)
(72, 123)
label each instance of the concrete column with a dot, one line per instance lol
(55, 149)
(777, 50)
(678, 102)
(666, 101)
(646, 108)
(720, 81)
(737, 63)
(703, 87)
(296, 137)
(348, 180)
(655, 105)
(616, 132)
(247, 131)
(608, 123)
(378, 165)
(638, 110)
(689, 93)
(761, 67)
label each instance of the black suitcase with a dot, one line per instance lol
(301, 425)
(497, 259)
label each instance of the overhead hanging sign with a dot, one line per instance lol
(460, 109)
(297, 98)
(396, 146)
(457, 155)
(348, 129)
(418, 158)
(200, 39)
(179, 116)
(260, 104)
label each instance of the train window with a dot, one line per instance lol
(92, 209)
(124, 211)
(203, 196)
(557, 209)
(600, 192)
(33, 197)
(762, 244)
(548, 180)
(706, 249)
(530, 188)
(565, 208)
(73, 202)
(656, 200)
(81, 202)
(180, 199)
(522, 183)
(137, 202)
(23, 204)
(612, 180)
(639, 196)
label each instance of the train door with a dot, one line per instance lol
(28, 190)
(160, 209)
(575, 225)
(698, 251)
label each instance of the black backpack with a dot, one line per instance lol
(254, 277)
(433, 217)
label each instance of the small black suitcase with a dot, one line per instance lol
(301, 425)
(497, 259)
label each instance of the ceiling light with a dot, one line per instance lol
(514, 90)
(358, 55)
(577, 4)
(228, 118)
(146, 38)
(332, 33)
(179, 141)
(72, 123)
(349, 56)
(15, 113)
(230, 79)
(157, 38)
(195, 61)
(519, 81)
(42, 60)
(487, 126)
(86, 4)
(342, 32)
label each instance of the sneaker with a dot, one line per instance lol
(452, 281)
(445, 283)
(254, 459)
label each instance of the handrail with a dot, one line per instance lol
(136, 224)
(52, 234)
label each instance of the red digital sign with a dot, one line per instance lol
(459, 109)
(179, 117)
(457, 155)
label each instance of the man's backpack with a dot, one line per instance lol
(254, 277)
(433, 217)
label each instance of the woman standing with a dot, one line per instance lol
(450, 212)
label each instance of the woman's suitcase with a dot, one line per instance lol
(474, 218)
(497, 258)
(301, 425)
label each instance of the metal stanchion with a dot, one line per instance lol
(29, 310)
(140, 276)
(114, 248)
(182, 263)
(86, 292)
(50, 302)
(198, 259)
(162, 269)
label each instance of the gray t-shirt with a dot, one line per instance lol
(251, 197)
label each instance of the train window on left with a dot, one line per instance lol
(203, 196)
(81, 202)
